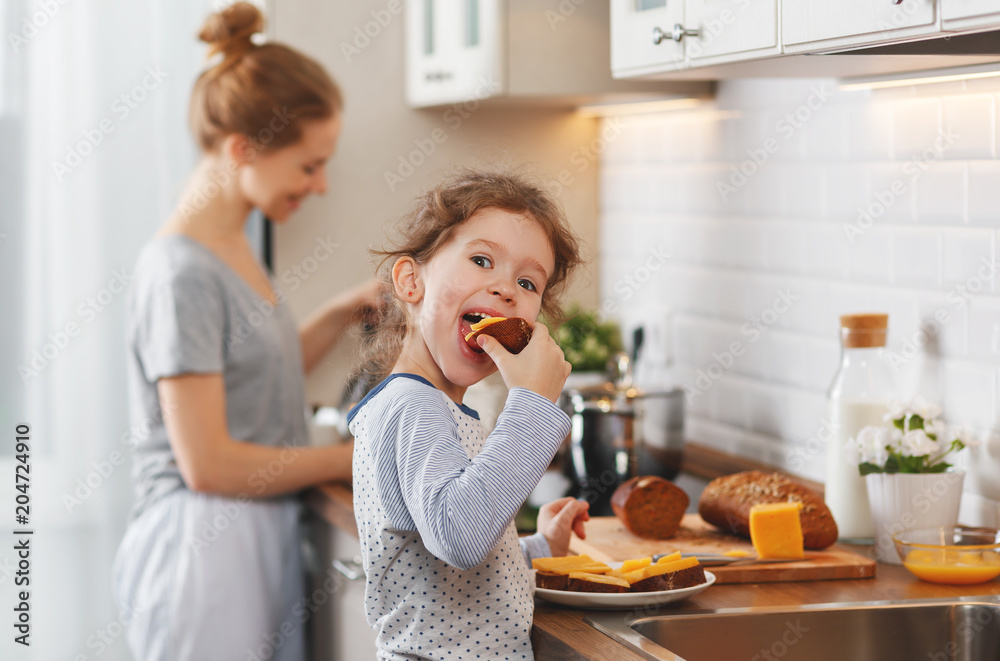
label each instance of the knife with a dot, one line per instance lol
(714, 559)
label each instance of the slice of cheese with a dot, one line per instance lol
(599, 578)
(660, 568)
(776, 531)
(673, 557)
(570, 563)
(632, 565)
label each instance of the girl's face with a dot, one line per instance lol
(496, 264)
(277, 180)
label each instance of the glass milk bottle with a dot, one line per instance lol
(858, 397)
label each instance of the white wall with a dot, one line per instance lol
(668, 184)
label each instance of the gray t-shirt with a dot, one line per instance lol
(190, 313)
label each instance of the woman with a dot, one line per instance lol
(209, 566)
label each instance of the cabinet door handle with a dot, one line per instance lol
(677, 34)
(349, 569)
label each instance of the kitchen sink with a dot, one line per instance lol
(962, 629)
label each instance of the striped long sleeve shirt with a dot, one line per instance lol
(434, 501)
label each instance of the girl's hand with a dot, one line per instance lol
(558, 519)
(540, 367)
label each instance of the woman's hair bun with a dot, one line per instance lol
(228, 31)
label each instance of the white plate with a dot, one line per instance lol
(604, 601)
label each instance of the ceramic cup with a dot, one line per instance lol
(911, 500)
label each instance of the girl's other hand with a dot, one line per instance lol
(540, 367)
(558, 519)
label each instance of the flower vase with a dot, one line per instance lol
(900, 501)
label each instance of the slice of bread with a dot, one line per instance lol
(513, 333)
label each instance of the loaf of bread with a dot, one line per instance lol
(650, 506)
(512, 332)
(726, 501)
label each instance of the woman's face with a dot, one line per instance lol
(277, 180)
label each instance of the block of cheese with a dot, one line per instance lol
(776, 531)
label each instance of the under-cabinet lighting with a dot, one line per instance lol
(637, 107)
(906, 79)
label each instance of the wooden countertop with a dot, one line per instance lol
(560, 633)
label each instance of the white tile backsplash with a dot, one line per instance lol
(864, 207)
(969, 120)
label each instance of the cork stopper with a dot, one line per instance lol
(861, 331)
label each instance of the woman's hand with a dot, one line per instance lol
(558, 519)
(540, 367)
(363, 300)
(321, 330)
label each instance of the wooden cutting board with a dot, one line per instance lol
(609, 541)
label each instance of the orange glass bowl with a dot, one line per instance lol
(957, 556)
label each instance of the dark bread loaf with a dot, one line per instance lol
(512, 332)
(650, 506)
(726, 503)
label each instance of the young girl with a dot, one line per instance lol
(433, 498)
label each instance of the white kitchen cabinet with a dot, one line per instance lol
(812, 26)
(335, 594)
(453, 51)
(650, 36)
(550, 52)
(970, 14)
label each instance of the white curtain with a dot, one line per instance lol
(95, 147)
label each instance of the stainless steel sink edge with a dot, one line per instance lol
(619, 625)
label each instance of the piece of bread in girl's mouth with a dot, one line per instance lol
(512, 332)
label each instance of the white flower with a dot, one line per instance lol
(896, 411)
(916, 443)
(923, 408)
(965, 434)
(870, 445)
(936, 427)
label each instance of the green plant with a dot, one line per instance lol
(586, 340)
(917, 442)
